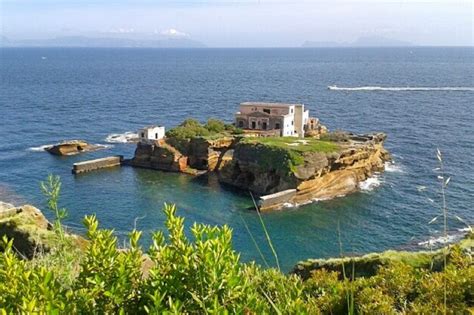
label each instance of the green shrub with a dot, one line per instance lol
(188, 129)
(215, 125)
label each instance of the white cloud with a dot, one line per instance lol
(171, 32)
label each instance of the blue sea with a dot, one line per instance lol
(48, 95)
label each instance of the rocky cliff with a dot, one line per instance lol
(295, 170)
(198, 154)
(307, 173)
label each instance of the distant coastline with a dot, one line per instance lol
(103, 42)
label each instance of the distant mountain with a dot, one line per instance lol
(82, 41)
(365, 41)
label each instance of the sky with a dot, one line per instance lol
(244, 23)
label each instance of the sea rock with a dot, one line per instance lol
(72, 147)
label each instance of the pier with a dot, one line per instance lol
(92, 165)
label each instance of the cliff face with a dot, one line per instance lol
(295, 170)
(160, 156)
(340, 173)
(198, 154)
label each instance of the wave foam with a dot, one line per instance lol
(43, 148)
(40, 148)
(441, 240)
(125, 137)
(370, 183)
(381, 88)
(391, 167)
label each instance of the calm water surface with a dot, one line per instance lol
(47, 95)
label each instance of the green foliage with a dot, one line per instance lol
(215, 125)
(51, 189)
(203, 274)
(180, 136)
(188, 129)
(191, 128)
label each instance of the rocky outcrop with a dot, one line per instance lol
(198, 154)
(367, 265)
(72, 147)
(319, 175)
(31, 232)
(209, 154)
(159, 155)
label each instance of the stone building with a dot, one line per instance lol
(151, 133)
(286, 119)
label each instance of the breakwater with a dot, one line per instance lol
(92, 165)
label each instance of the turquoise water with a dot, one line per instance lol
(47, 95)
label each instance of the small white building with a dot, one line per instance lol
(289, 119)
(151, 133)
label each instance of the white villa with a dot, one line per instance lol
(289, 119)
(151, 133)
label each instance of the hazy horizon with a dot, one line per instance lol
(243, 23)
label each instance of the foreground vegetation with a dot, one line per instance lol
(203, 274)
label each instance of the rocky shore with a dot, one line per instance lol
(280, 171)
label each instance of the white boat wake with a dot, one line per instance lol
(381, 88)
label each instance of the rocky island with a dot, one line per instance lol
(281, 170)
(72, 147)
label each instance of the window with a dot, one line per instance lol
(156, 136)
(277, 126)
(292, 122)
(266, 110)
(291, 110)
(264, 125)
(143, 135)
(254, 125)
(241, 123)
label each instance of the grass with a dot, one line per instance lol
(286, 153)
(295, 144)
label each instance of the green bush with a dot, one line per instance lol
(215, 125)
(188, 129)
(203, 274)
